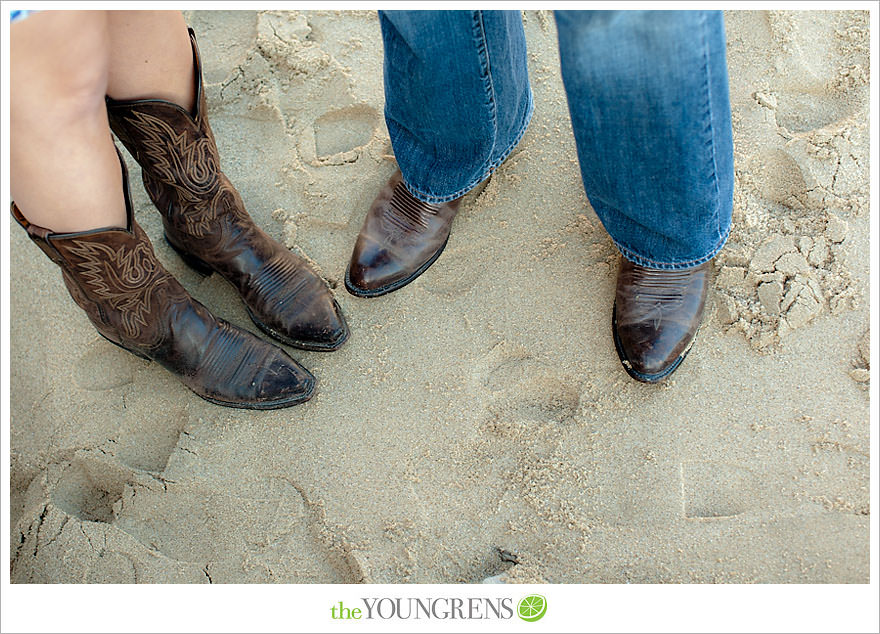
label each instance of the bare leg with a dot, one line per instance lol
(65, 174)
(151, 57)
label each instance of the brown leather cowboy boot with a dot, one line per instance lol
(656, 317)
(401, 237)
(114, 276)
(206, 221)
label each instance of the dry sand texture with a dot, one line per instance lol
(479, 415)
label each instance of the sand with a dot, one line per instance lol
(478, 423)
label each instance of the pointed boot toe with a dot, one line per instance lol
(283, 383)
(290, 302)
(656, 316)
(319, 326)
(236, 369)
(373, 268)
(401, 237)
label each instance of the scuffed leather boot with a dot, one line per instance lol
(401, 237)
(114, 276)
(206, 221)
(656, 316)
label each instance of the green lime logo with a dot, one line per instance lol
(532, 607)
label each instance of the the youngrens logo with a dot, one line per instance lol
(530, 608)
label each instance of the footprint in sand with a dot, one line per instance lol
(799, 112)
(715, 490)
(817, 56)
(527, 396)
(457, 276)
(340, 135)
(89, 488)
(93, 367)
(837, 475)
(259, 531)
(148, 445)
(779, 177)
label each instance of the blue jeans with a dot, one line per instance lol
(648, 98)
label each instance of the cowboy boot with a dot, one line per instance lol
(114, 276)
(656, 316)
(401, 237)
(207, 224)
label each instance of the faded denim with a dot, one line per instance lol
(649, 105)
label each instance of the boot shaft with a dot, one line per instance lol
(114, 276)
(175, 148)
(205, 220)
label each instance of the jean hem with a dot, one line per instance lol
(640, 260)
(486, 171)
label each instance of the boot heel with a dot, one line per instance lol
(194, 263)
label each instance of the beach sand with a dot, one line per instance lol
(478, 423)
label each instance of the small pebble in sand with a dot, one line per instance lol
(768, 100)
(770, 294)
(727, 311)
(860, 375)
(818, 253)
(836, 228)
(805, 244)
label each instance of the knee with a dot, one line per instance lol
(81, 93)
(59, 66)
(79, 80)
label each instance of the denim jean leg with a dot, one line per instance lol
(650, 109)
(457, 96)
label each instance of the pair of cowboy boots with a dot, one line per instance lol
(113, 273)
(656, 313)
